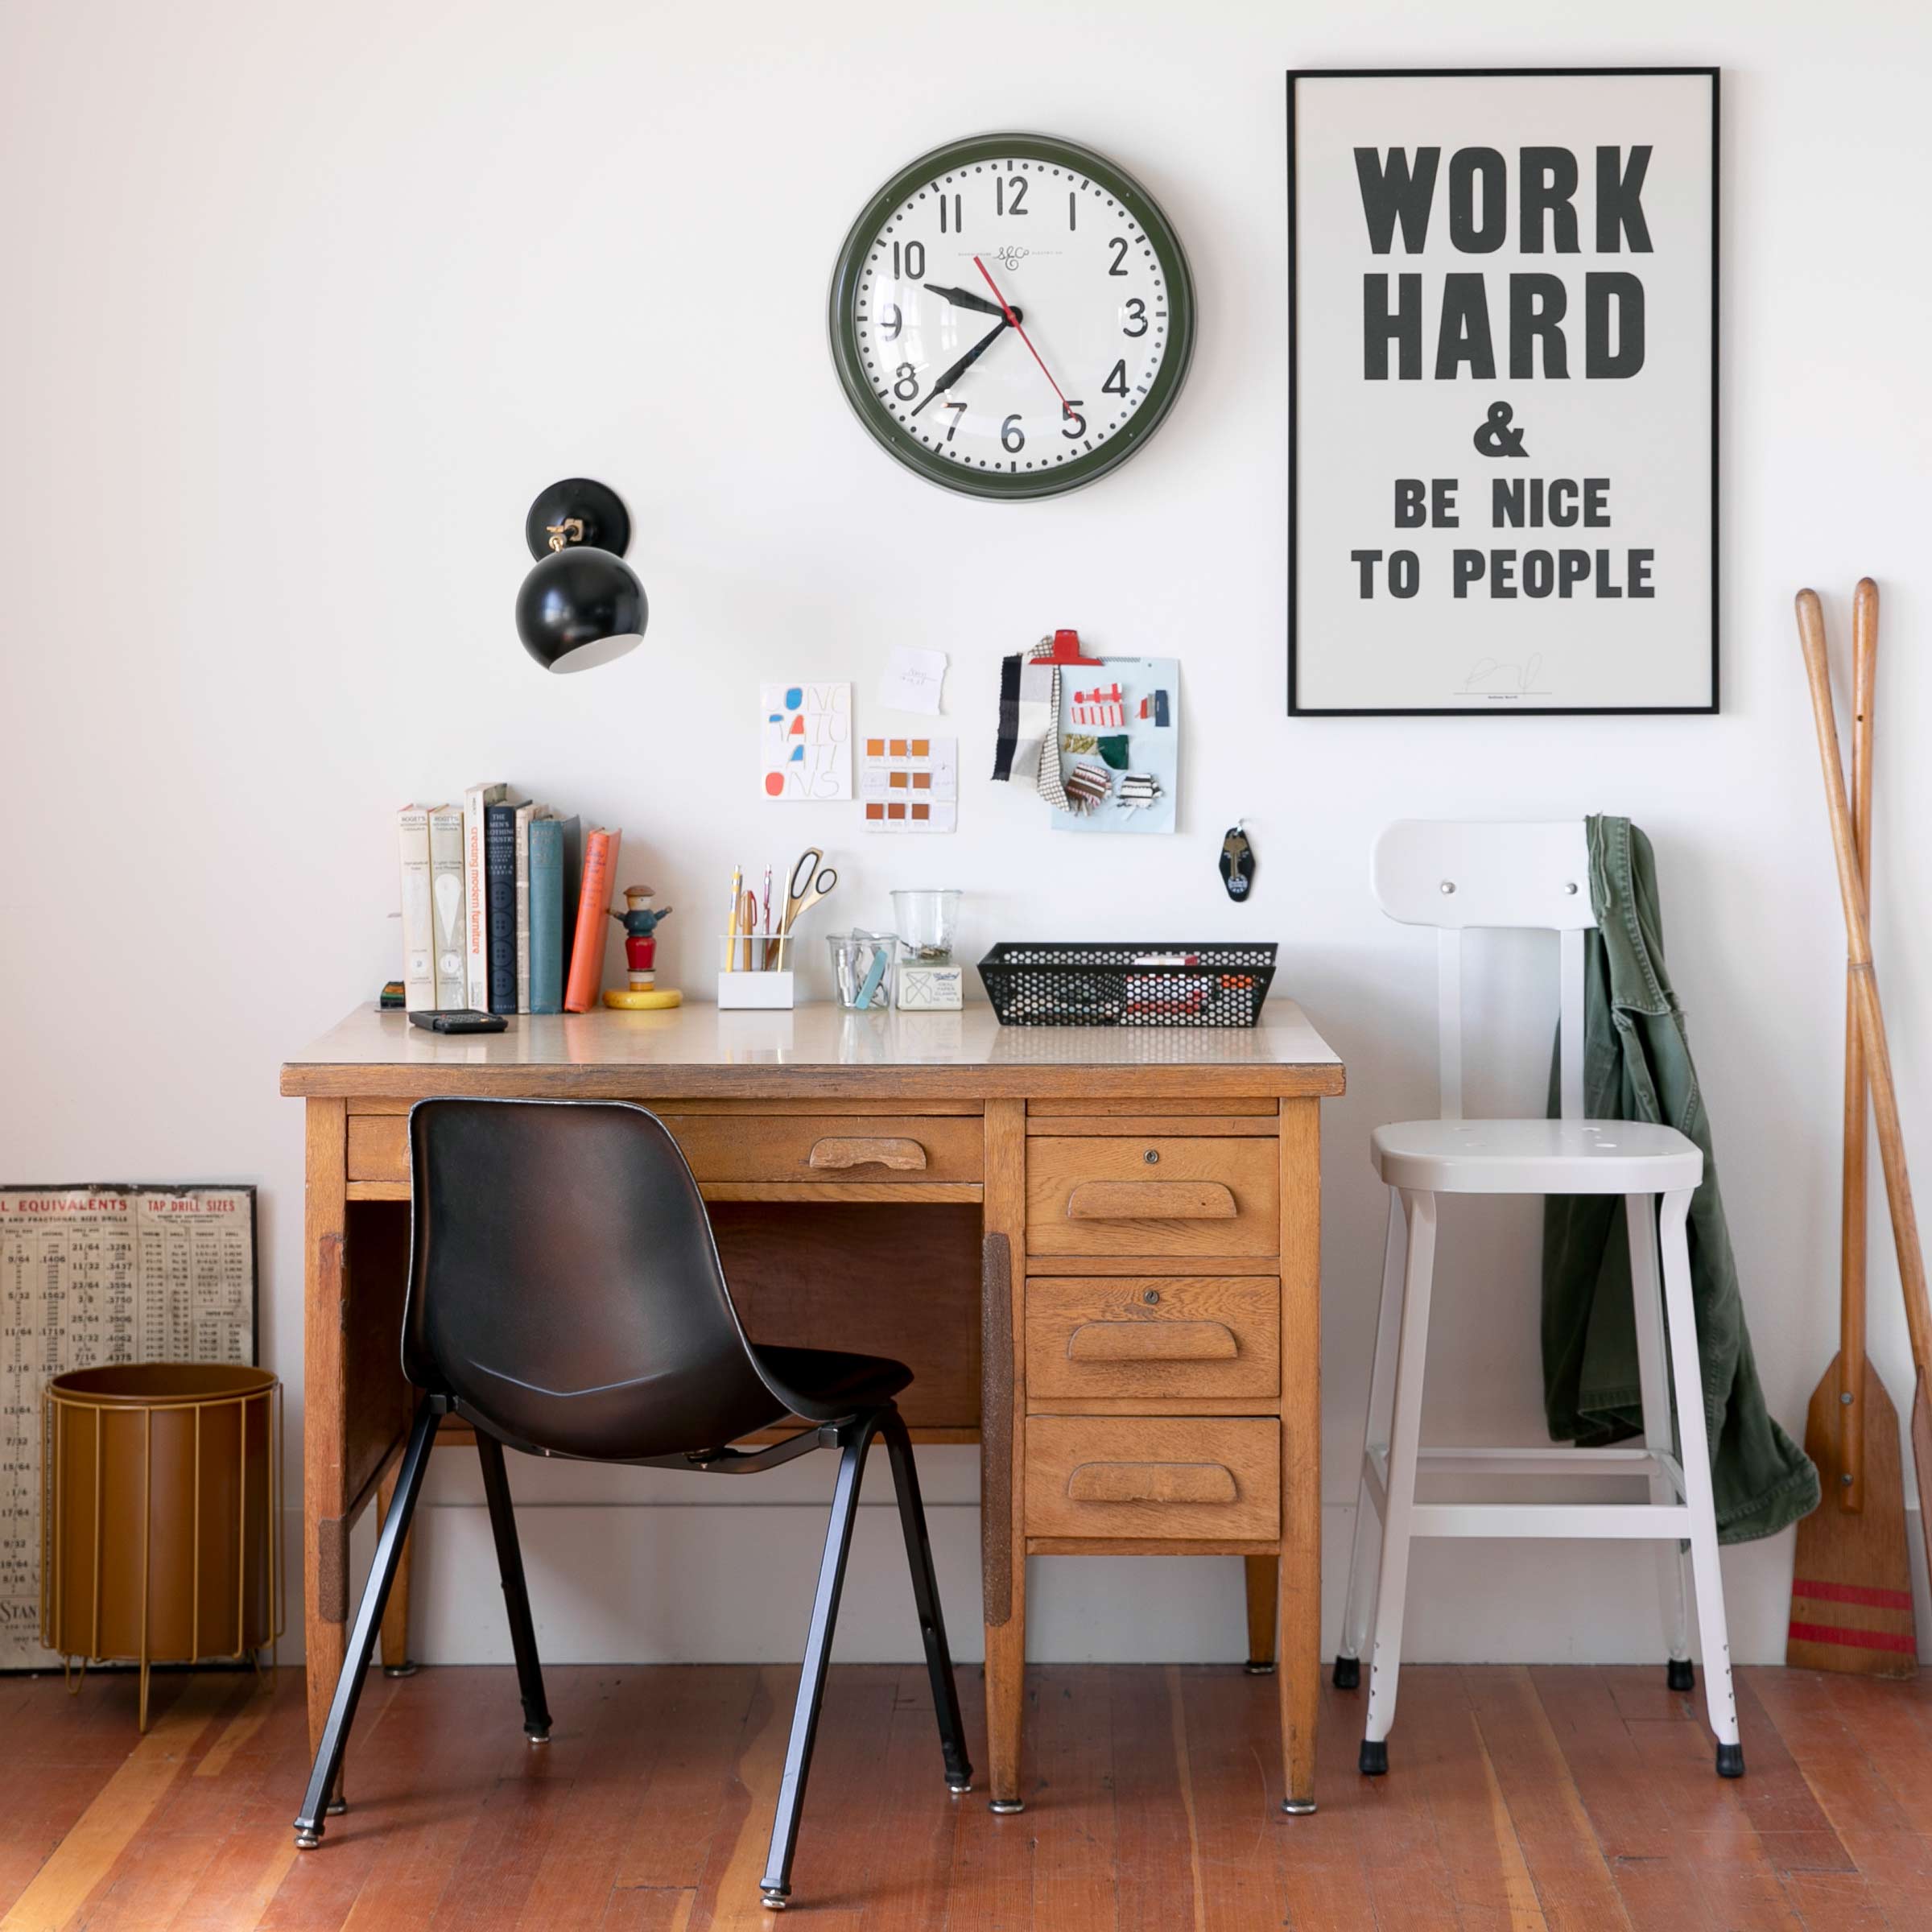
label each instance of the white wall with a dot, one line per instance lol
(305, 301)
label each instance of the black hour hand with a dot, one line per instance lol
(964, 363)
(965, 298)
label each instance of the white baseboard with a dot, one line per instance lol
(616, 1579)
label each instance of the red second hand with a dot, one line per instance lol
(1014, 321)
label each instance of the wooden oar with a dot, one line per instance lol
(1852, 1579)
(1878, 1067)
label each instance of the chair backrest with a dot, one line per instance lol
(564, 1286)
(1455, 875)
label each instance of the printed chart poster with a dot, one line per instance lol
(1503, 391)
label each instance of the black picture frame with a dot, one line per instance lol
(1296, 708)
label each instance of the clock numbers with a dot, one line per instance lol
(1073, 211)
(913, 265)
(905, 382)
(1116, 384)
(956, 223)
(959, 410)
(1137, 309)
(1119, 246)
(1076, 423)
(1012, 439)
(891, 321)
(1009, 196)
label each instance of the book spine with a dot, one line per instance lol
(593, 908)
(448, 894)
(525, 813)
(500, 898)
(419, 934)
(545, 915)
(476, 943)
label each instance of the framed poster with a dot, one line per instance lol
(1502, 479)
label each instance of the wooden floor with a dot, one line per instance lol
(1518, 1798)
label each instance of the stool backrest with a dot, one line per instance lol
(1455, 875)
(564, 1286)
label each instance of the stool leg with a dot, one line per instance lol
(516, 1593)
(926, 1600)
(1647, 1309)
(362, 1637)
(1375, 1428)
(1403, 1445)
(776, 1884)
(1719, 1703)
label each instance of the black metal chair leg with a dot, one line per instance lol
(322, 1780)
(516, 1593)
(926, 1600)
(854, 1439)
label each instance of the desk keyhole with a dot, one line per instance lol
(1152, 1155)
(1152, 1296)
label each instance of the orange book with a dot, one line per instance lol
(586, 987)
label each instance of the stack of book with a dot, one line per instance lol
(504, 905)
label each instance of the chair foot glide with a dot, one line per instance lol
(405, 1669)
(959, 1787)
(1374, 1760)
(774, 1898)
(1679, 1675)
(1258, 1669)
(1730, 1761)
(1299, 1807)
(1348, 1674)
(307, 1837)
(537, 1736)
(1006, 1807)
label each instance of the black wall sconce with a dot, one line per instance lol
(582, 605)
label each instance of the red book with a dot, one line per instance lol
(586, 984)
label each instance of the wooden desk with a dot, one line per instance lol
(1114, 1234)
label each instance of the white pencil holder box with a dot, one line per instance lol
(767, 990)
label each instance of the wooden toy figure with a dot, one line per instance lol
(640, 920)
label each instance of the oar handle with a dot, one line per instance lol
(1872, 1019)
(1853, 1219)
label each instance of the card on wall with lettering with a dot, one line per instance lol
(1503, 391)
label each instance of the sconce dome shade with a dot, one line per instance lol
(581, 607)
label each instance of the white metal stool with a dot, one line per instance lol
(1454, 877)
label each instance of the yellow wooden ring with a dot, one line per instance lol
(653, 1001)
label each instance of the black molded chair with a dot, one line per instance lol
(566, 1299)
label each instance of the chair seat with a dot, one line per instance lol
(827, 1385)
(1536, 1157)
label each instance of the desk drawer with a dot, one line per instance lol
(882, 1149)
(1153, 1197)
(1181, 1479)
(1170, 1337)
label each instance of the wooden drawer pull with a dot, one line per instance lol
(1151, 1483)
(840, 1151)
(1150, 1201)
(1152, 1342)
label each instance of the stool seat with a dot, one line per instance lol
(1536, 1157)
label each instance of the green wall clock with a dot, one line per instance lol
(1012, 315)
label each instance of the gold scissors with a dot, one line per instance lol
(805, 890)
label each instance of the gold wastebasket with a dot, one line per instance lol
(159, 1517)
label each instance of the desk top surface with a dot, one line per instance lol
(814, 1052)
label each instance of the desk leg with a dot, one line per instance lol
(396, 1661)
(1264, 1591)
(1002, 1448)
(1299, 1673)
(325, 1284)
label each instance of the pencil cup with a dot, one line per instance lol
(767, 990)
(757, 970)
(862, 968)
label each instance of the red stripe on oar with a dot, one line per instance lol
(1854, 1593)
(1855, 1640)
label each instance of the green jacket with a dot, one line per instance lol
(1636, 1066)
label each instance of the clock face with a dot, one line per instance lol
(1011, 316)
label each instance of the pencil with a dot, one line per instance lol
(731, 937)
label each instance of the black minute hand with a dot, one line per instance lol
(964, 363)
(965, 298)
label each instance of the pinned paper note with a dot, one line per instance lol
(805, 738)
(913, 680)
(910, 784)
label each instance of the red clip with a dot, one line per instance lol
(1066, 650)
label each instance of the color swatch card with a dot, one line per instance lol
(910, 784)
(1120, 745)
(805, 738)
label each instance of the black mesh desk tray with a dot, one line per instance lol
(1155, 984)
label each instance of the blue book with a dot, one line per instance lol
(547, 915)
(500, 904)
